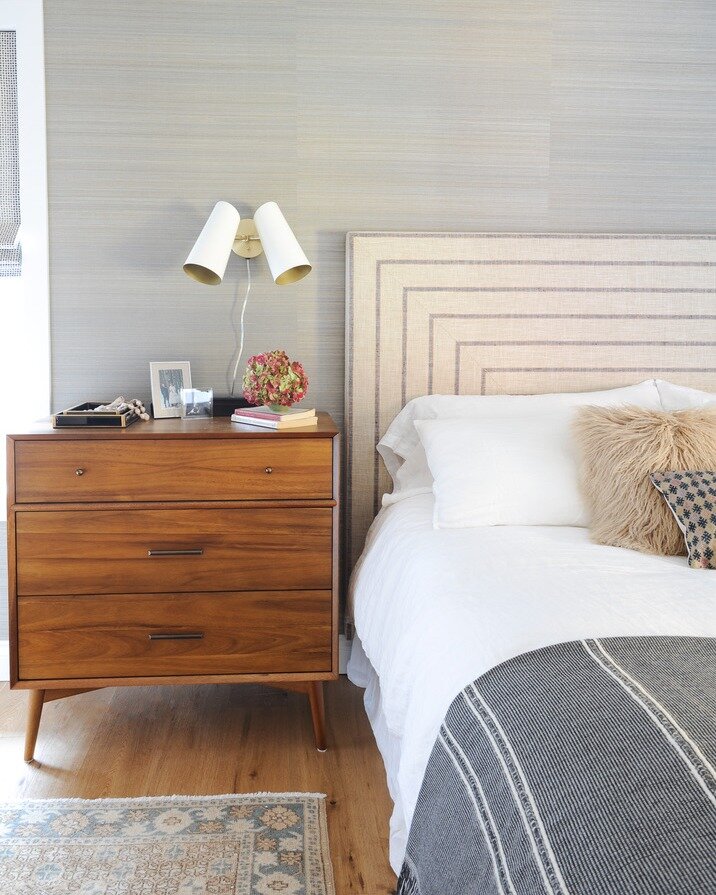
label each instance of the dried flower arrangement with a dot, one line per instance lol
(272, 378)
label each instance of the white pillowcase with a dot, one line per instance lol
(404, 455)
(519, 470)
(682, 397)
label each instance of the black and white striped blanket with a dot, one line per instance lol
(587, 768)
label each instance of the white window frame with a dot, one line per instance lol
(29, 391)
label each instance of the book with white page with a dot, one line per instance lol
(281, 423)
(272, 413)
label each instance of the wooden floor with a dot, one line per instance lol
(150, 741)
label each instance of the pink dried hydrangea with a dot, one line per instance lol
(273, 378)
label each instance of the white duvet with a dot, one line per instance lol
(435, 609)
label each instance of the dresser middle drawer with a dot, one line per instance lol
(163, 551)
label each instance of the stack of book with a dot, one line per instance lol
(270, 418)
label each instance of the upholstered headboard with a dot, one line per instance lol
(521, 313)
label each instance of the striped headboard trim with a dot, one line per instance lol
(485, 313)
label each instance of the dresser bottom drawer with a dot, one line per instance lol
(138, 635)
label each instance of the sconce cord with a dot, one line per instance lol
(241, 328)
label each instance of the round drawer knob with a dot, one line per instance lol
(79, 471)
(268, 470)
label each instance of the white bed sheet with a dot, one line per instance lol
(435, 609)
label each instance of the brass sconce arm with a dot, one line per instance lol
(247, 243)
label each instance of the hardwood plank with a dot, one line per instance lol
(107, 551)
(206, 740)
(173, 634)
(50, 470)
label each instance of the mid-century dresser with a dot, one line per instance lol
(173, 552)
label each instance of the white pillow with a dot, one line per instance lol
(404, 456)
(681, 397)
(519, 470)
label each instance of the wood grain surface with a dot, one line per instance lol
(151, 741)
(85, 637)
(216, 427)
(106, 551)
(49, 471)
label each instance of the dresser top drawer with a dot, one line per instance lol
(93, 470)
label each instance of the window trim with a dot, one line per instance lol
(25, 18)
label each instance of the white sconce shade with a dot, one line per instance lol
(208, 259)
(285, 257)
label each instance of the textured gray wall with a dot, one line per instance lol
(405, 114)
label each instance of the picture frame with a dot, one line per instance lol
(197, 403)
(168, 378)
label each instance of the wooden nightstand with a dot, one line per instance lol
(173, 552)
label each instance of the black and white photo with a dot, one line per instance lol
(168, 378)
(197, 403)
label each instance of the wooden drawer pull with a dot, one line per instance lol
(180, 635)
(189, 551)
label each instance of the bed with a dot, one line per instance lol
(434, 610)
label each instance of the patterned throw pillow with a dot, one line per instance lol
(691, 497)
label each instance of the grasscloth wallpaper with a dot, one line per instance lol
(373, 114)
(407, 114)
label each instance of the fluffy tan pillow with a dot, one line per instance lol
(619, 447)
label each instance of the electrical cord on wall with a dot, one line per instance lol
(241, 328)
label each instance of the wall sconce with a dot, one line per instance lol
(267, 233)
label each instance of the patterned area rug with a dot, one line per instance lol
(258, 844)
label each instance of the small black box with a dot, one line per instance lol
(87, 416)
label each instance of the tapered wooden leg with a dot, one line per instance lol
(34, 713)
(318, 714)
